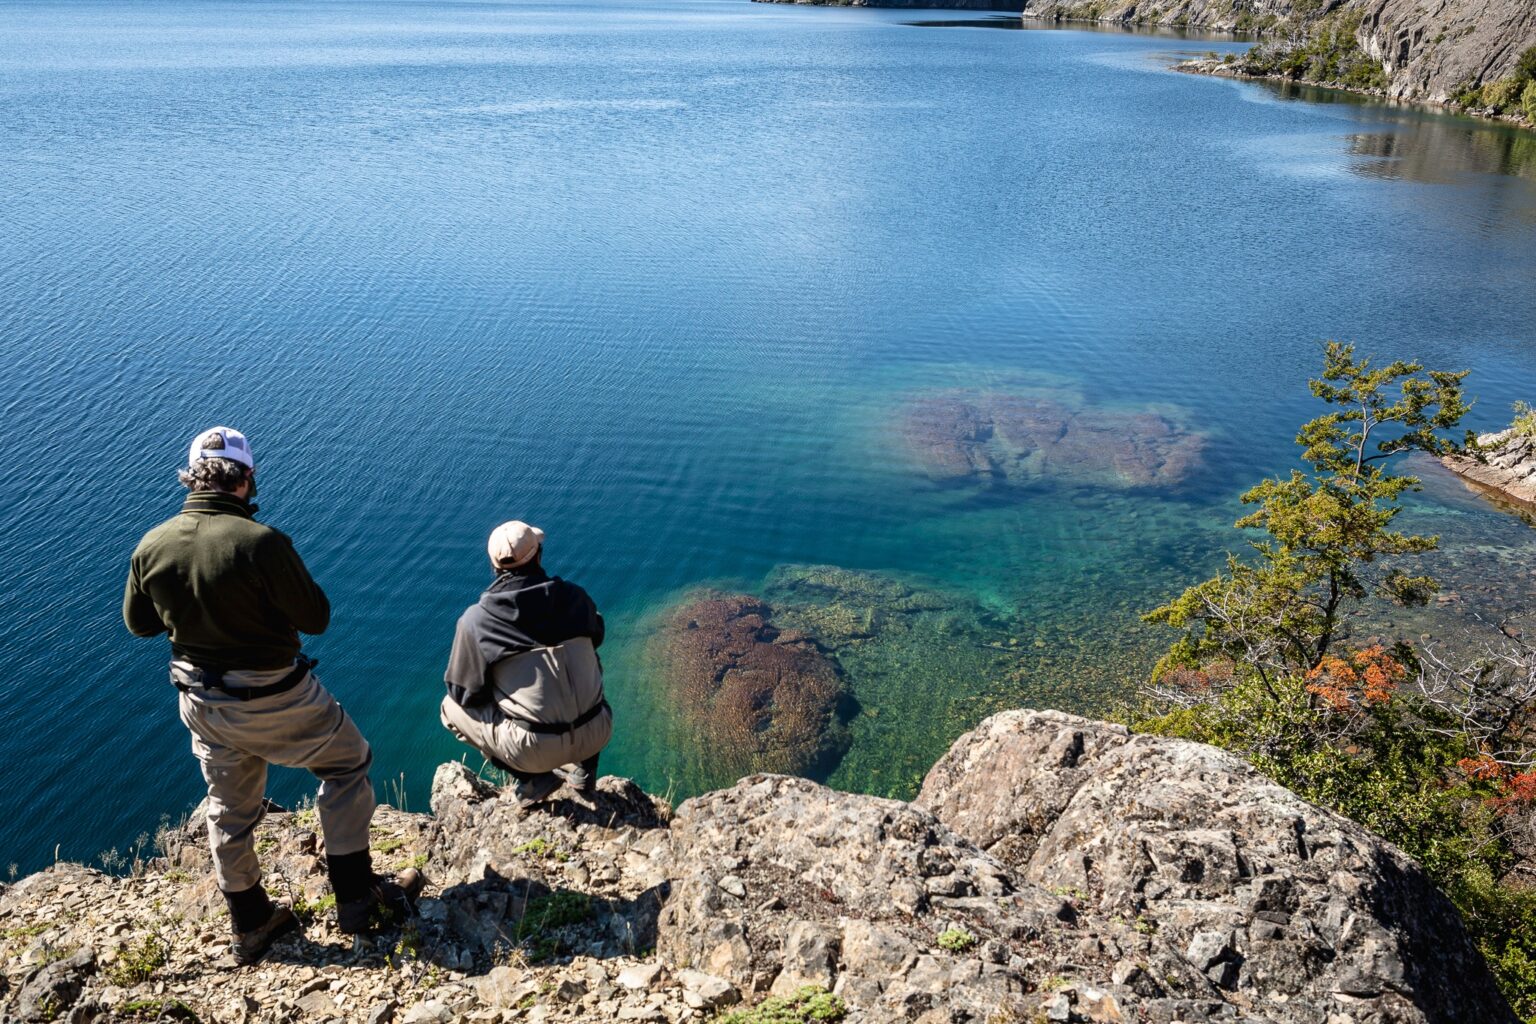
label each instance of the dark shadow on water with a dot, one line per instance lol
(1423, 144)
(996, 21)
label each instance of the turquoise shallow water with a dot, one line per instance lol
(660, 277)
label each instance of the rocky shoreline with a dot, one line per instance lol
(1052, 868)
(1509, 470)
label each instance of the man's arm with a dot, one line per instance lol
(291, 588)
(465, 675)
(139, 612)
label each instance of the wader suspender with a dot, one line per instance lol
(213, 679)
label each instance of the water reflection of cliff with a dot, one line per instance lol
(1438, 151)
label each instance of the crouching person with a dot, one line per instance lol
(234, 596)
(525, 686)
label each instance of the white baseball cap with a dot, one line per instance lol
(221, 443)
(513, 543)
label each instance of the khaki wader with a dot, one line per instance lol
(234, 741)
(549, 685)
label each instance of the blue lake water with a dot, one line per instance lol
(661, 276)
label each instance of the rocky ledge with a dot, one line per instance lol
(1510, 469)
(1052, 869)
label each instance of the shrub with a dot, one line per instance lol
(956, 940)
(1528, 100)
(809, 1004)
(1524, 424)
(1501, 94)
(139, 961)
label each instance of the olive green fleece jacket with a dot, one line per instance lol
(232, 593)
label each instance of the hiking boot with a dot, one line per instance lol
(387, 903)
(249, 947)
(578, 778)
(537, 789)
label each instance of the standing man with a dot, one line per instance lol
(234, 596)
(525, 686)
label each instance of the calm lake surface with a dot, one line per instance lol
(661, 276)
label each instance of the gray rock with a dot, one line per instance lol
(428, 1011)
(55, 987)
(706, 991)
(382, 1013)
(1195, 845)
(640, 977)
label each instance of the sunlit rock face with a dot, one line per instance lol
(964, 437)
(758, 698)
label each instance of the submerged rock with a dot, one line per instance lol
(759, 698)
(964, 436)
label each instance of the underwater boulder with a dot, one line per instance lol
(760, 699)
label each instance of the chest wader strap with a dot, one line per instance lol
(561, 728)
(213, 679)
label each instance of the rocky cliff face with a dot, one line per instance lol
(1426, 49)
(1214, 15)
(1054, 869)
(1432, 48)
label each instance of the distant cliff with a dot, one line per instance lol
(1461, 52)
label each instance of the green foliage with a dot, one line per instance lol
(1328, 531)
(956, 940)
(1524, 423)
(157, 1010)
(1326, 51)
(310, 911)
(1502, 94)
(139, 961)
(534, 848)
(1528, 100)
(808, 1005)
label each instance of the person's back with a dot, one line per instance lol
(525, 686)
(234, 595)
(231, 592)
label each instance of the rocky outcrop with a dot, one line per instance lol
(1054, 869)
(1424, 51)
(1430, 50)
(1509, 470)
(965, 437)
(1214, 15)
(759, 698)
(1260, 891)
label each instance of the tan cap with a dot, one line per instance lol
(514, 543)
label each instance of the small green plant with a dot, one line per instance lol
(956, 940)
(1524, 424)
(410, 944)
(309, 911)
(809, 1004)
(139, 961)
(389, 846)
(157, 1010)
(26, 931)
(534, 847)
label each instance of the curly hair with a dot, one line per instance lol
(213, 475)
